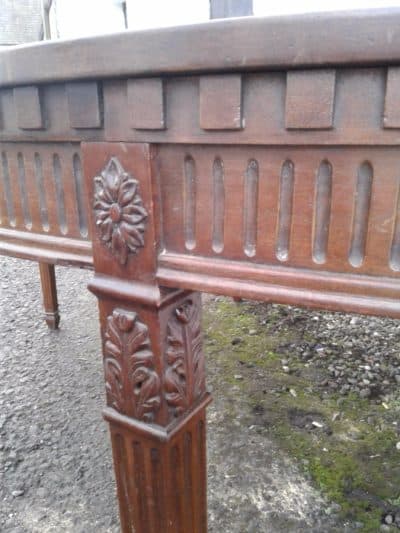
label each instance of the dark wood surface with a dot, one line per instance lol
(253, 158)
(366, 37)
(49, 289)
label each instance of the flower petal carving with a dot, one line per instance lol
(132, 384)
(119, 212)
(184, 380)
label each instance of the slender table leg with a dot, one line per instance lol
(49, 291)
(152, 351)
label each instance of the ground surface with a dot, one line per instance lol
(293, 445)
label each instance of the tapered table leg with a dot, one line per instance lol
(152, 350)
(49, 292)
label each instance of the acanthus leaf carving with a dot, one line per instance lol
(119, 212)
(132, 384)
(184, 379)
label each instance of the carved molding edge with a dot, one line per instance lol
(120, 215)
(184, 379)
(132, 385)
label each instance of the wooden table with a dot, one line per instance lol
(255, 158)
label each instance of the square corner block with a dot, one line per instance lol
(310, 96)
(391, 115)
(221, 102)
(28, 108)
(146, 104)
(83, 105)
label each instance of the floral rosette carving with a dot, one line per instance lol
(119, 212)
(185, 374)
(132, 384)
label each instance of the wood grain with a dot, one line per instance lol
(316, 111)
(83, 105)
(391, 117)
(221, 102)
(253, 158)
(146, 104)
(28, 108)
(311, 40)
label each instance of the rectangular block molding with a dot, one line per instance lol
(83, 105)
(28, 108)
(220, 102)
(391, 118)
(309, 99)
(146, 104)
(321, 107)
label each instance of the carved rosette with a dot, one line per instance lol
(119, 212)
(132, 384)
(184, 380)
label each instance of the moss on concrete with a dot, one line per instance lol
(352, 460)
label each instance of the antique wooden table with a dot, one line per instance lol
(254, 158)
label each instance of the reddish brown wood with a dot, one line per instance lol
(146, 104)
(83, 105)
(316, 111)
(221, 102)
(49, 291)
(356, 111)
(28, 107)
(153, 358)
(311, 40)
(391, 117)
(253, 158)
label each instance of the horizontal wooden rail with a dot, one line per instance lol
(46, 248)
(334, 291)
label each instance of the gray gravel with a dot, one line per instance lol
(354, 354)
(55, 463)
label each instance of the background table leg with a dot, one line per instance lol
(49, 291)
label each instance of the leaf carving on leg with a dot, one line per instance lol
(132, 384)
(184, 376)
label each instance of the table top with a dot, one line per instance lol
(367, 37)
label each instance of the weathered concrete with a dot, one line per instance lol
(55, 464)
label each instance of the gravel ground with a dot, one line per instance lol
(355, 354)
(55, 461)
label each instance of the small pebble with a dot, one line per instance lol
(389, 519)
(17, 493)
(317, 424)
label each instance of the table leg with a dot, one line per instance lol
(152, 349)
(156, 399)
(49, 291)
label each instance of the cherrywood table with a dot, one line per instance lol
(254, 158)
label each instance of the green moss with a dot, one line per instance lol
(356, 464)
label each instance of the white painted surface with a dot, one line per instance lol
(77, 18)
(284, 7)
(161, 13)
